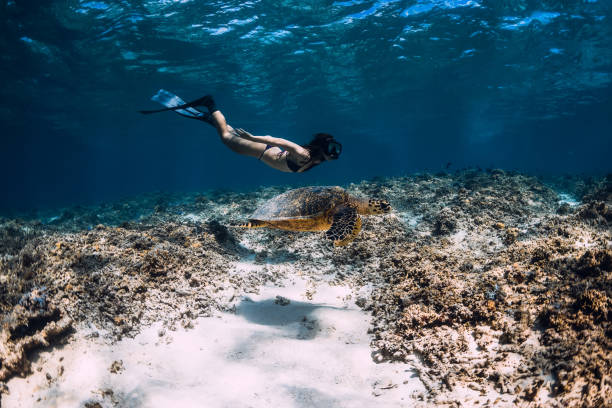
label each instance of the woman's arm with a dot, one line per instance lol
(293, 148)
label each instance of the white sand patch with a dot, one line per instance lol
(195, 218)
(306, 353)
(244, 268)
(463, 240)
(249, 241)
(458, 238)
(569, 199)
(585, 241)
(51, 219)
(410, 219)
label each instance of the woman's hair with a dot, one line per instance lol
(318, 146)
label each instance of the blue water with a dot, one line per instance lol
(406, 86)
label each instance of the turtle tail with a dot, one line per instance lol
(253, 224)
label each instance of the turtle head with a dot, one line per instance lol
(372, 206)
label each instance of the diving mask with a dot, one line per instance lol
(333, 149)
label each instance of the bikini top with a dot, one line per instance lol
(293, 166)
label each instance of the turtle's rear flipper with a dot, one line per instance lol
(346, 225)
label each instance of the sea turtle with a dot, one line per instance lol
(329, 209)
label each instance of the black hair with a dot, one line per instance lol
(318, 146)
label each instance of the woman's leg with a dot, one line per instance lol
(233, 141)
(273, 156)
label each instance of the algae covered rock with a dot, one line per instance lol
(34, 323)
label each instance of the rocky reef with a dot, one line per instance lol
(478, 280)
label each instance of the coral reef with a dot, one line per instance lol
(479, 280)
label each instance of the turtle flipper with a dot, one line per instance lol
(346, 224)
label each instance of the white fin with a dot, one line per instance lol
(170, 100)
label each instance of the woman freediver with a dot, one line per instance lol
(278, 153)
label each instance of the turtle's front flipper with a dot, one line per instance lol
(346, 224)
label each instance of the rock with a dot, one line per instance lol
(444, 222)
(378, 357)
(34, 323)
(282, 301)
(564, 209)
(511, 234)
(361, 301)
(116, 367)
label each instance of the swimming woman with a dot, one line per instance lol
(278, 153)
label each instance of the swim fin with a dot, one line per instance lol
(176, 104)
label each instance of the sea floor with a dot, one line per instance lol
(278, 348)
(478, 289)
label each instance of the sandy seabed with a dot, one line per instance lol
(480, 288)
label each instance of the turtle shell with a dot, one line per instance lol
(306, 202)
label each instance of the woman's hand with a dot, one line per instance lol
(244, 134)
(301, 154)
